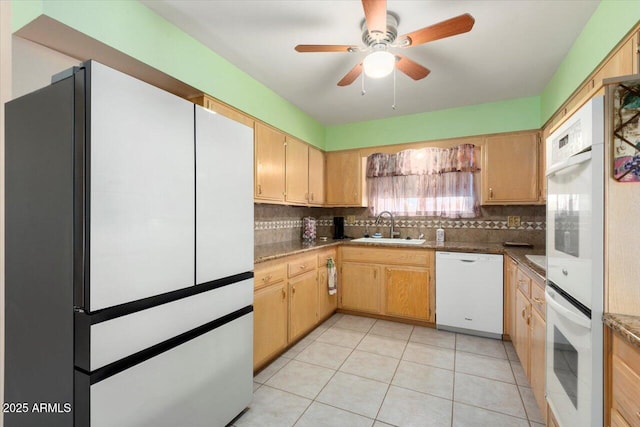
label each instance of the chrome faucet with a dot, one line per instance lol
(392, 233)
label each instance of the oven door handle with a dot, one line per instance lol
(565, 166)
(565, 312)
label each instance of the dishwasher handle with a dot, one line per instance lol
(467, 260)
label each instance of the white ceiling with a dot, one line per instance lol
(511, 52)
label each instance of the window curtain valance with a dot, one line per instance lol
(424, 182)
(423, 161)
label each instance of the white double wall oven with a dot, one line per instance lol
(574, 291)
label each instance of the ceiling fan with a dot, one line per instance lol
(380, 33)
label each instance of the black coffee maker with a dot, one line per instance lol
(338, 227)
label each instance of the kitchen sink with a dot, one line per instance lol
(388, 241)
(539, 260)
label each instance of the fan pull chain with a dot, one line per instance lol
(394, 89)
(363, 92)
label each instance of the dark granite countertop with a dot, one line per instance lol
(625, 325)
(268, 252)
(262, 253)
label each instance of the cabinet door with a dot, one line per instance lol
(141, 193)
(224, 174)
(361, 287)
(316, 176)
(269, 164)
(326, 303)
(510, 295)
(522, 331)
(537, 362)
(510, 169)
(344, 178)
(269, 322)
(303, 304)
(407, 292)
(297, 172)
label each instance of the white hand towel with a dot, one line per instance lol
(332, 276)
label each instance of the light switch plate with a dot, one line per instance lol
(351, 219)
(513, 221)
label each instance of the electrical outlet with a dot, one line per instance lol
(513, 221)
(351, 219)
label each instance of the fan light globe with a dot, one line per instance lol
(379, 64)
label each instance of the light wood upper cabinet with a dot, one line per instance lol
(344, 179)
(316, 177)
(510, 169)
(297, 171)
(269, 164)
(407, 292)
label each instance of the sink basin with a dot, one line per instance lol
(539, 260)
(388, 241)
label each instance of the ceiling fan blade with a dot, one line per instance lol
(450, 27)
(375, 13)
(411, 68)
(351, 75)
(325, 48)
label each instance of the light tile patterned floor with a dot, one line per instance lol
(357, 371)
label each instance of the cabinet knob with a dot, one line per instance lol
(302, 267)
(490, 193)
(312, 197)
(528, 320)
(538, 300)
(293, 290)
(284, 294)
(523, 311)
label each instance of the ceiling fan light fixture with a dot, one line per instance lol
(379, 64)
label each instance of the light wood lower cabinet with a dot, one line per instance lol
(270, 312)
(388, 281)
(623, 382)
(303, 304)
(290, 297)
(521, 338)
(537, 358)
(510, 283)
(407, 292)
(327, 304)
(361, 287)
(528, 330)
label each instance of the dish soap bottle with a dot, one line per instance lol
(440, 235)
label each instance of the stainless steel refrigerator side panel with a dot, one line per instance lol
(39, 258)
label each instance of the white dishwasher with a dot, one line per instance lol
(469, 293)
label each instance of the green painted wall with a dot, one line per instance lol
(132, 28)
(611, 21)
(495, 117)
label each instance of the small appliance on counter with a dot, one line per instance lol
(338, 227)
(308, 228)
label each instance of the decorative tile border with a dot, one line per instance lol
(409, 223)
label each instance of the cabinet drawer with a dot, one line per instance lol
(268, 274)
(323, 256)
(524, 283)
(626, 391)
(420, 257)
(302, 265)
(537, 298)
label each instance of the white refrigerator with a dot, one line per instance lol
(129, 253)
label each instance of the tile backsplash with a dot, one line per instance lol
(279, 223)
